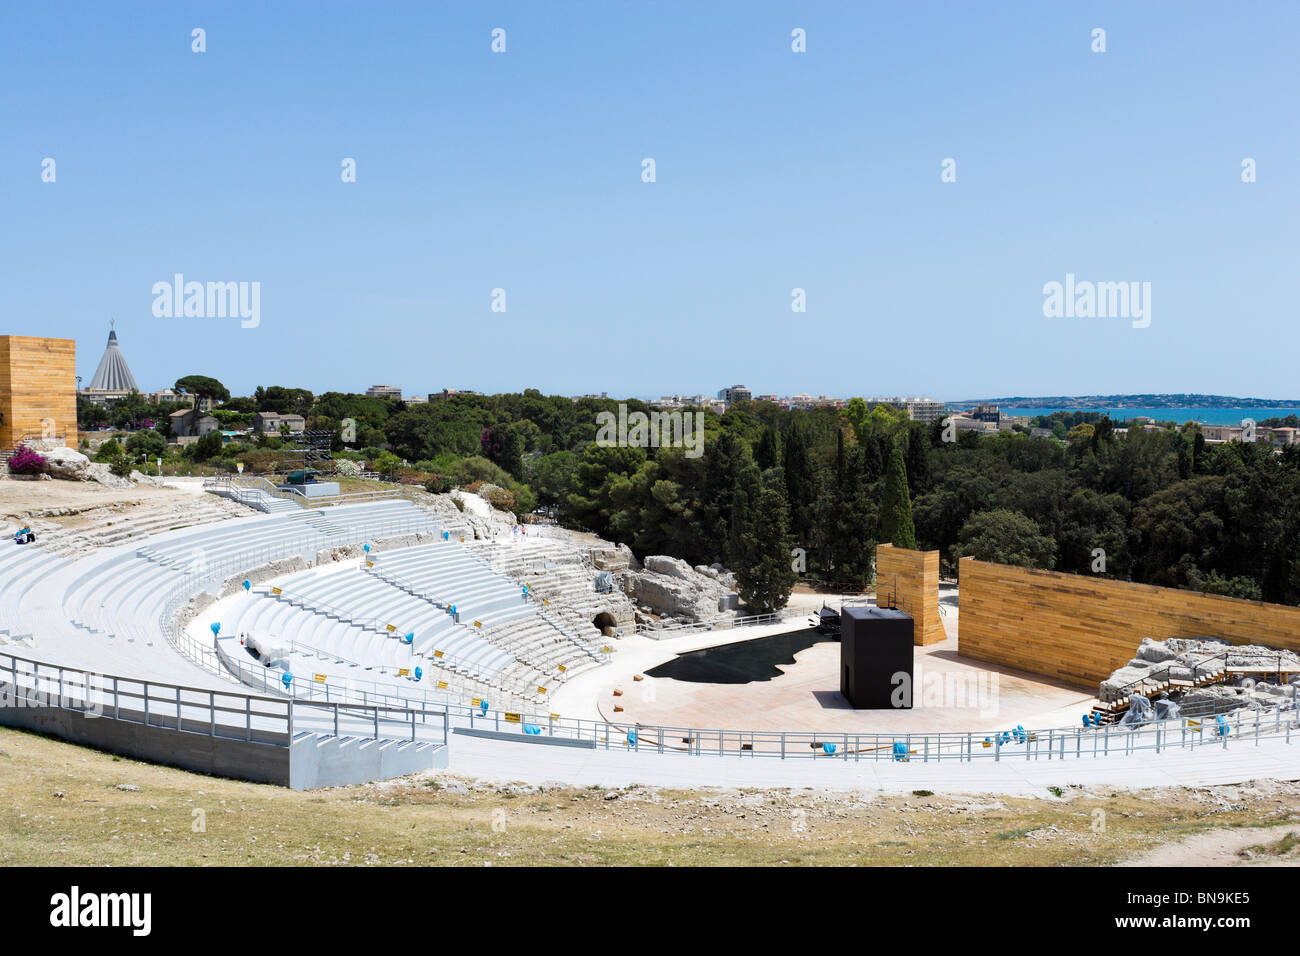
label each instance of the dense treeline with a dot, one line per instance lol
(777, 491)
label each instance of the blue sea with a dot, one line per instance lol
(1206, 416)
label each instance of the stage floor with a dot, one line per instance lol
(951, 693)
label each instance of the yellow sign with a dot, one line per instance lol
(512, 718)
(442, 685)
(562, 668)
(546, 602)
(556, 716)
(276, 591)
(403, 672)
(476, 701)
(370, 564)
(541, 690)
(319, 678)
(437, 654)
(478, 623)
(462, 540)
(607, 649)
(390, 628)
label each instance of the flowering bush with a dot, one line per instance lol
(347, 468)
(26, 462)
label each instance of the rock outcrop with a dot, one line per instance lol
(66, 463)
(1189, 659)
(678, 593)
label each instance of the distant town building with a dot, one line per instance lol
(190, 423)
(918, 409)
(384, 391)
(206, 404)
(966, 422)
(736, 393)
(986, 413)
(416, 400)
(1215, 434)
(268, 423)
(448, 392)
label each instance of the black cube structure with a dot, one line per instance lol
(875, 648)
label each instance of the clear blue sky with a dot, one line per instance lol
(775, 170)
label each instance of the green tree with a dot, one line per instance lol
(896, 504)
(764, 576)
(207, 447)
(201, 387)
(148, 443)
(768, 453)
(551, 477)
(1006, 537)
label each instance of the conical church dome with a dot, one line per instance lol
(113, 375)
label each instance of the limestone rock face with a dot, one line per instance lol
(670, 566)
(1189, 659)
(98, 471)
(620, 558)
(66, 463)
(671, 588)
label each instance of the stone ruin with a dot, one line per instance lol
(1177, 659)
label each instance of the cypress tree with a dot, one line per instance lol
(800, 473)
(896, 504)
(764, 576)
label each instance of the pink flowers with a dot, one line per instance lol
(26, 462)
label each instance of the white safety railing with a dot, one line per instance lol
(720, 623)
(208, 712)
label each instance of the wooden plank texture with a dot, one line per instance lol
(909, 581)
(1078, 629)
(38, 388)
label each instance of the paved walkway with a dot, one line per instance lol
(1206, 766)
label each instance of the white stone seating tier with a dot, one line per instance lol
(348, 681)
(317, 632)
(103, 611)
(556, 573)
(448, 574)
(121, 527)
(21, 566)
(346, 613)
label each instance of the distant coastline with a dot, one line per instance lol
(1205, 416)
(1135, 403)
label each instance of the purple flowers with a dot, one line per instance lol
(26, 462)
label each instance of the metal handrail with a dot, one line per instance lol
(771, 617)
(160, 701)
(1120, 694)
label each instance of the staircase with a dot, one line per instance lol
(1212, 670)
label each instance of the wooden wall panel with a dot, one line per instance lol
(1078, 629)
(38, 386)
(910, 580)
